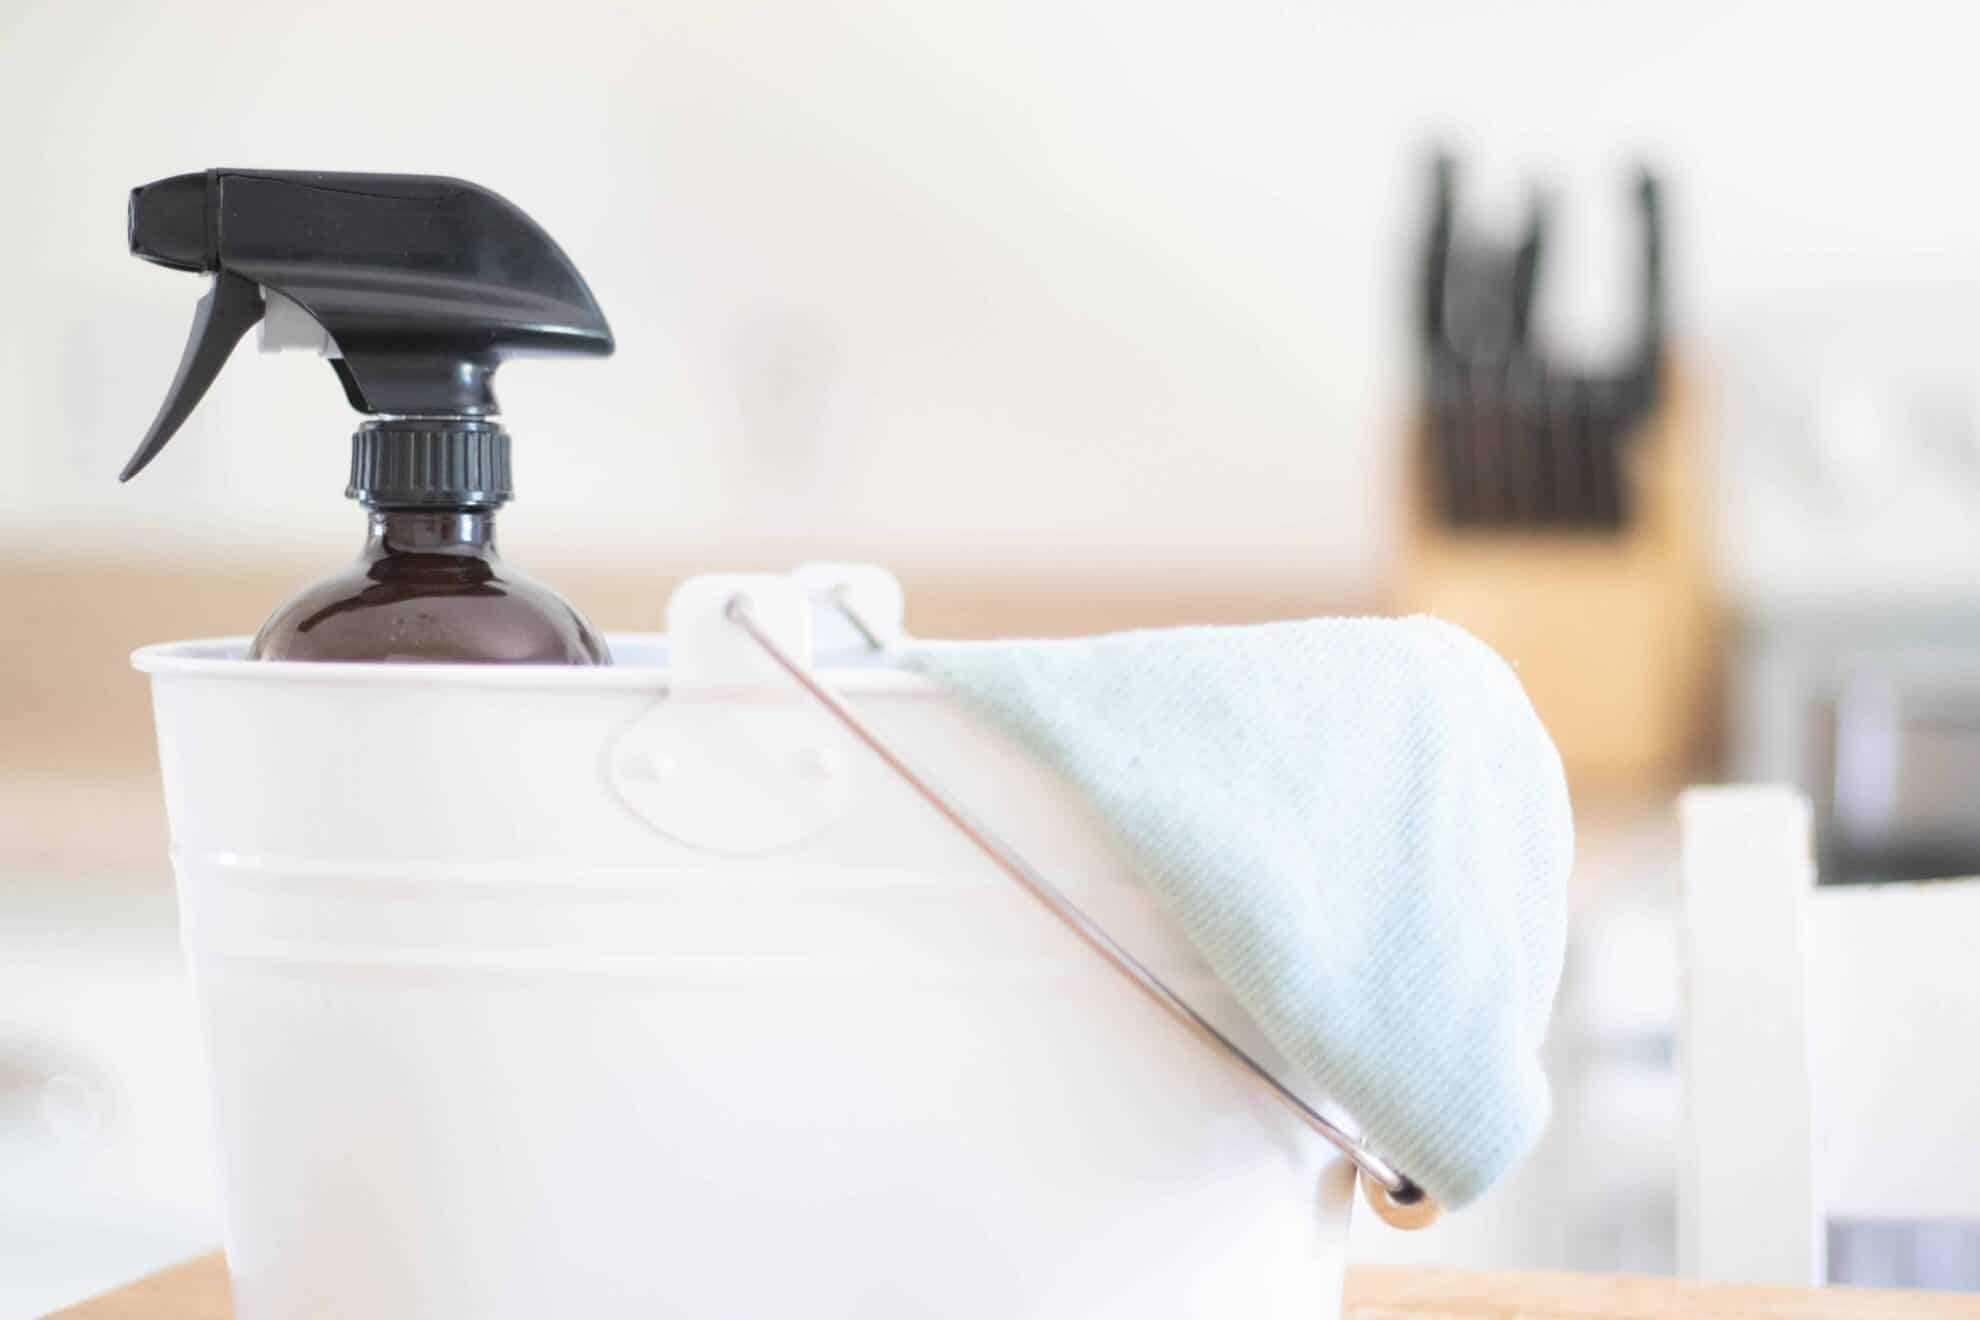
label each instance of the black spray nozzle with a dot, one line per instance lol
(422, 285)
(171, 223)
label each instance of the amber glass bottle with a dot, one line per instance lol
(429, 584)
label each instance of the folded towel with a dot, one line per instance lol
(1363, 827)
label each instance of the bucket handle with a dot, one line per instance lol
(1394, 1197)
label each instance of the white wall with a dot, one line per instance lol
(1100, 278)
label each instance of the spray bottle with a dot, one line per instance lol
(415, 288)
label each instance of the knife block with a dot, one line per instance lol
(1614, 634)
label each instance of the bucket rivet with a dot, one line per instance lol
(818, 763)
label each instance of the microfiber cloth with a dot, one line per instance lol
(1362, 826)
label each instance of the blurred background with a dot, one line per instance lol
(1642, 339)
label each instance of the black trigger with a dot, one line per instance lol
(229, 310)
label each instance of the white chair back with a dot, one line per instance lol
(1829, 1043)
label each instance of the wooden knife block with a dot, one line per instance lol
(1615, 635)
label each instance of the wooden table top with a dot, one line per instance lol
(197, 1290)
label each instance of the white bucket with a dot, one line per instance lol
(642, 991)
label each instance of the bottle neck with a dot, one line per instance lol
(465, 531)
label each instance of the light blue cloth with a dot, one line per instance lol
(1363, 827)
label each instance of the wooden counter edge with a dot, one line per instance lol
(1407, 1292)
(197, 1290)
